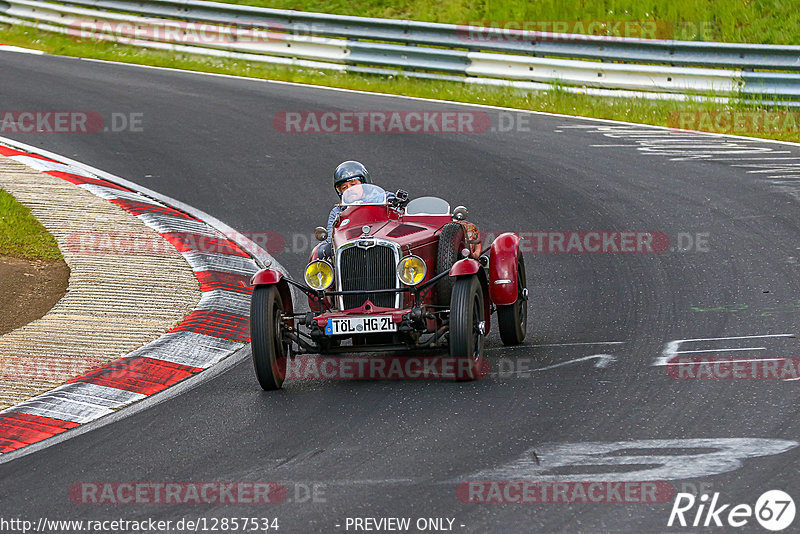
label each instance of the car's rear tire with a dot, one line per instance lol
(512, 320)
(270, 350)
(467, 327)
(452, 241)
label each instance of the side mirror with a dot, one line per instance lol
(460, 213)
(320, 233)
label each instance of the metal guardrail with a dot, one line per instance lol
(531, 60)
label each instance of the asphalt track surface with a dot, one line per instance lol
(399, 448)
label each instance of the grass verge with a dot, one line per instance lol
(21, 235)
(733, 21)
(637, 110)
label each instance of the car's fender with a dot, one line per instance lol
(314, 253)
(266, 277)
(503, 269)
(470, 267)
(465, 267)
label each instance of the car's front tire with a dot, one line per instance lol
(452, 241)
(467, 327)
(270, 350)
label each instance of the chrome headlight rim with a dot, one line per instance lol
(308, 280)
(400, 269)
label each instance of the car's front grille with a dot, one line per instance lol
(366, 269)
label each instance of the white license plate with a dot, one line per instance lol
(360, 325)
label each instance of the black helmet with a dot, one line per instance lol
(347, 171)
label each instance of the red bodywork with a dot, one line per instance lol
(503, 269)
(418, 235)
(271, 276)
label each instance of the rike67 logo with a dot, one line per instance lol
(774, 510)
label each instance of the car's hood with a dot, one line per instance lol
(405, 234)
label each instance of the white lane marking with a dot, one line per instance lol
(752, 159)
(671, 348)
(603, 361)
(577, 344)
(731, 361)
(720, 350)
(707, 157)
(687, 146)
(767, 167)
(20, 50)
(553, 461)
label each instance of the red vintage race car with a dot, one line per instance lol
(399, 275)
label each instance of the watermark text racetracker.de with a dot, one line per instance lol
(543, 31)
(531, 242)
(726, 368)
(185, 32)
(563, 492)
(736, 122)
(140, 526)
(187, 493)
(69, 122)
(421, 121)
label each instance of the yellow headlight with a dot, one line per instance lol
(411, 270)
(319, 275)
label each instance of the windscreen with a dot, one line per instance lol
(428, 206)
(363, 194)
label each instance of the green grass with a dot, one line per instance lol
(639, 110)
(21, 235)
(736, 21)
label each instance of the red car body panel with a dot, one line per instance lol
(465, 267)
(266, 277)
(502, 267)
(419, 235)
(416, 234)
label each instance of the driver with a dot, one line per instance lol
(352, 173)
(346, 175)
